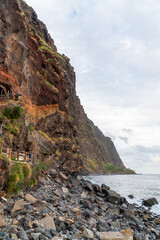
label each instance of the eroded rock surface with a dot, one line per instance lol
(36, 77)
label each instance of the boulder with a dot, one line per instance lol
(88, 234)
(23, 235)
(150, 202)
(111, 236)
(30, 198)
(19, 204)
(96, 188)
(127, 233)
(14, 236)
(129, 214)
(53, 173)
(48, 223)
(57, 238)
(113, 197)
(63, 176)
(84, 194)
(2, 221)
(87, 214)
(87, 185)
(115, 224)
(65, 190)
(86, 204)
(104, 188)
(130, 196)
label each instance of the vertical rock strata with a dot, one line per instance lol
(53, 124)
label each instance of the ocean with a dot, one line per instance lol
(140, 186)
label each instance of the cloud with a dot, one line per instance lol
(128, 131)
(114, 48)
(143, 149)
(125, 139)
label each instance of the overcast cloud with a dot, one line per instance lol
(114, 46)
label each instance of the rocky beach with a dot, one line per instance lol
(47, 140)
(63, 207)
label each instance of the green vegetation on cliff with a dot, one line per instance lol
(19, 174)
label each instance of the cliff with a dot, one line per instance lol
(40, 112)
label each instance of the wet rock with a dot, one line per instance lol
(87, 185)
(113, 197)
(96, 188)
(105, 188)
(150, 202)
(130, 196)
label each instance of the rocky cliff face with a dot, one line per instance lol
(35, 77)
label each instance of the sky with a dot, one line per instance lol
(114, 47)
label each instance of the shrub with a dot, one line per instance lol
(11, 182)
(18, 175)
(12, 113)
(14, 130)
(32, 182)
(7, 113)
(8, 125)
(31, 129)
(41, 165)
(27, 172)
(110, 168)
(16, 112)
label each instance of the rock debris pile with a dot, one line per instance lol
(62, 207)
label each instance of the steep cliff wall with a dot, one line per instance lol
(98, 152)
(52, 124)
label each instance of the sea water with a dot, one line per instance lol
(140, 186)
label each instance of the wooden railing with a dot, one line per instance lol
(19, 156)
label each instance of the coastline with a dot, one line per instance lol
(63, 207)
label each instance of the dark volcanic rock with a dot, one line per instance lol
(131, 196)
(150, 202)
(113, 197)
(105, 188)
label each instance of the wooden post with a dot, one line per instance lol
(9, 154)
